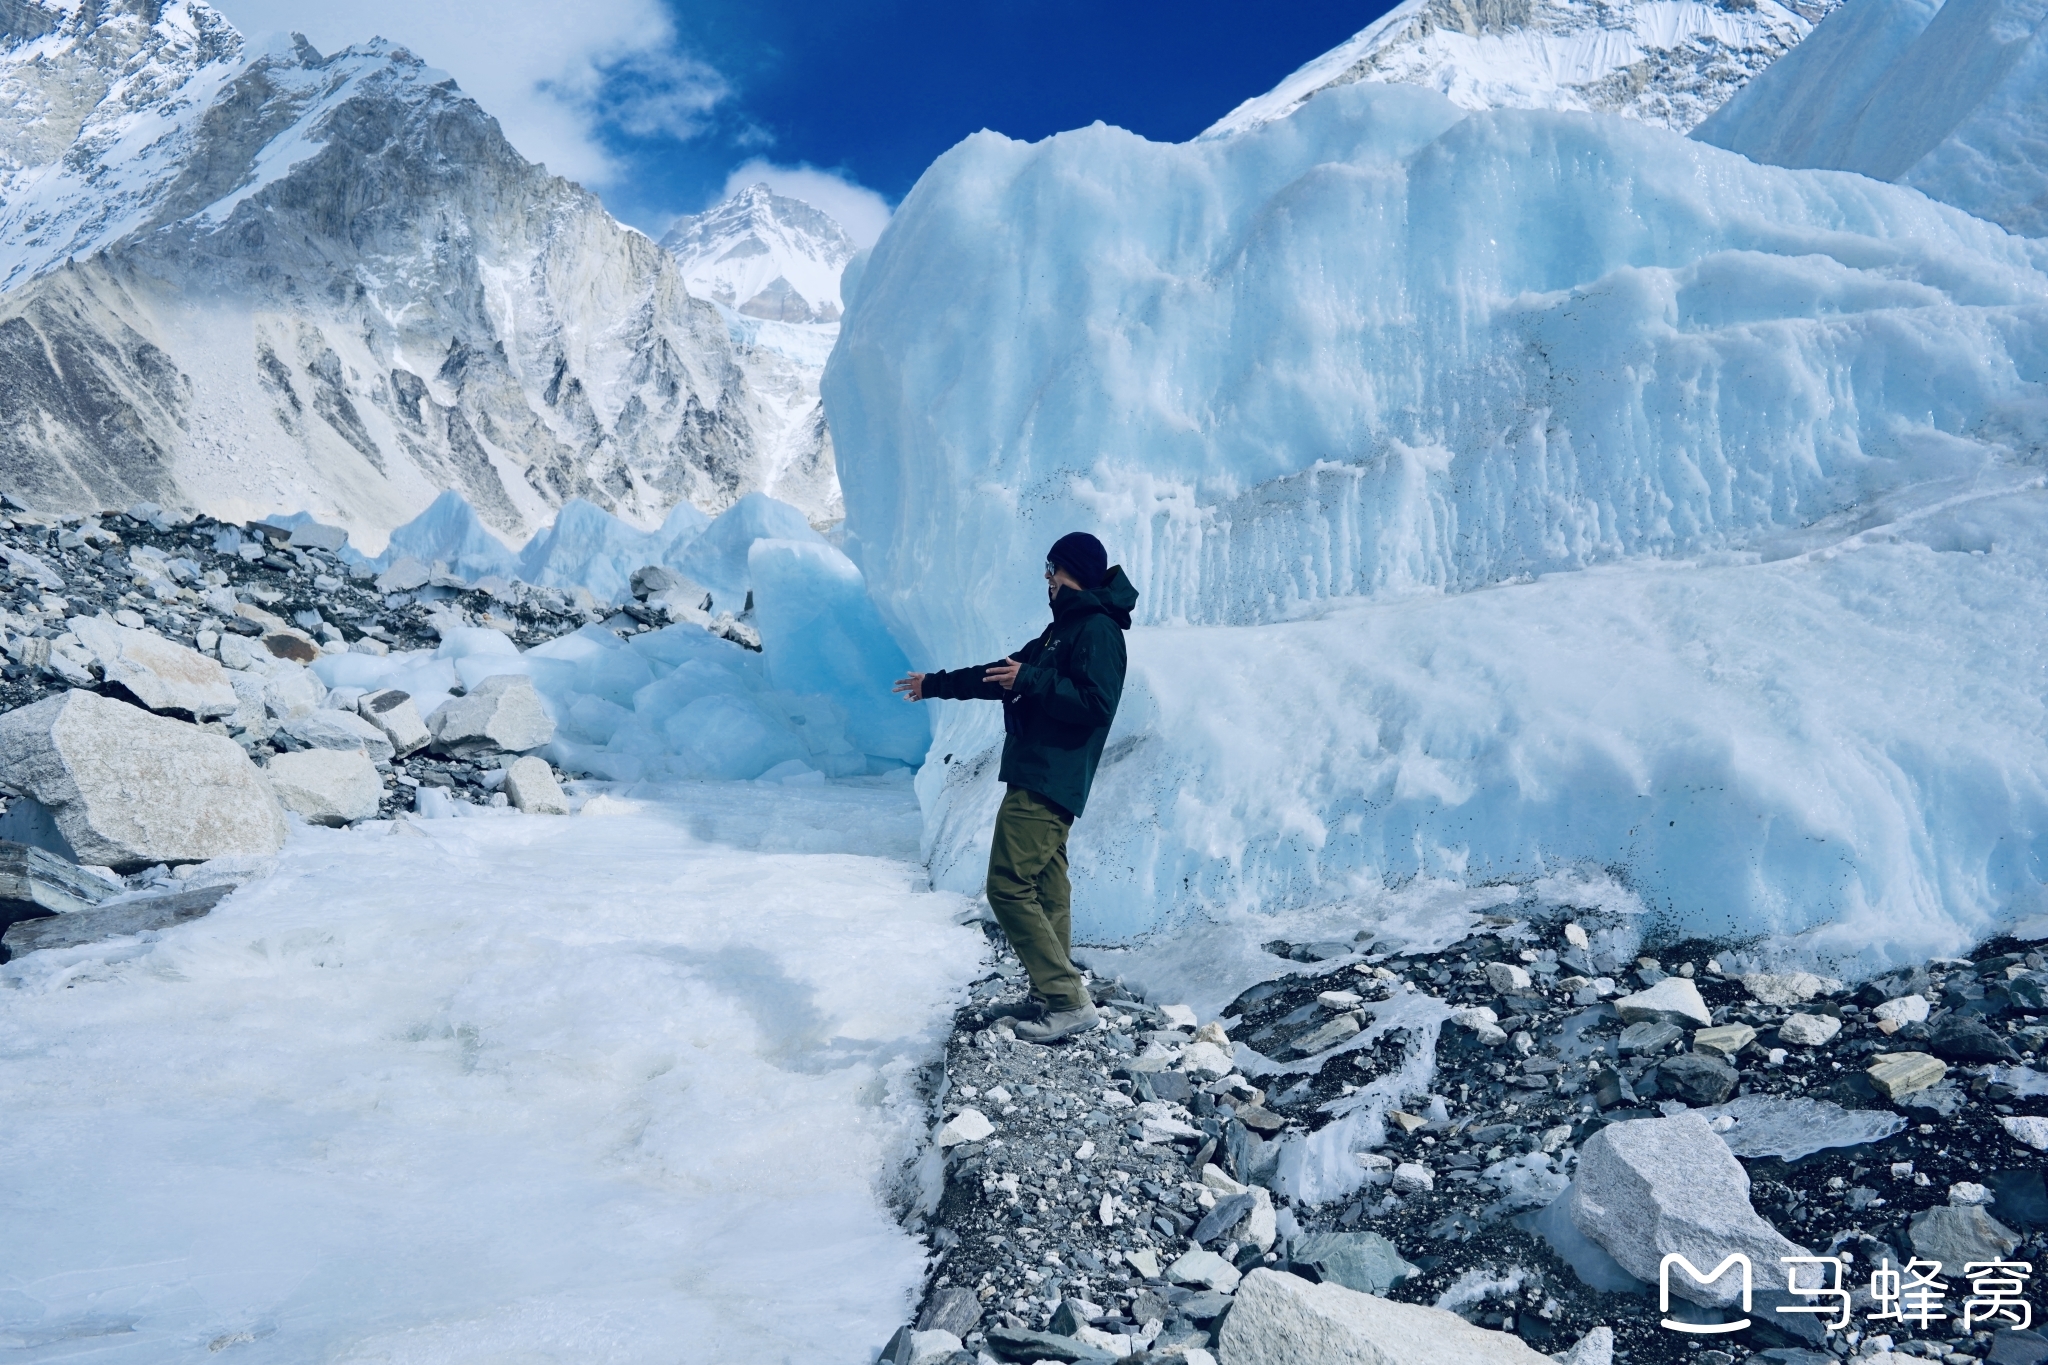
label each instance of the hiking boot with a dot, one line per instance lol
(1032, 1007)
(1059, 1024)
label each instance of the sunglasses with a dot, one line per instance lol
(1050, 569)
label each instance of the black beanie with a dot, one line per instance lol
(1081, 555)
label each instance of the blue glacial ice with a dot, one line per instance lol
(1510, 493)
(821, 636)
(717, 558)
(449, 532)
(587, 547)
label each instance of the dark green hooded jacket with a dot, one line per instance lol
(1057, 716)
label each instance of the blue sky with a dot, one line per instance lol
(661, 106)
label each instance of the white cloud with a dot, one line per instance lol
(550, 76)
(861, 211)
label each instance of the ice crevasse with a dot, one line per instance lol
(1508, 492)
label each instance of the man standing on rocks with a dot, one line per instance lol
(1059, 694)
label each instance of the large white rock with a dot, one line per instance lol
(128, 788)
(501, 714)
(290, 691)
(326, 786)
(1787, 988)
(1198, 1265)
(1674, 1000)
(1282, 1319)
(1808, 1030)
(161, 674)
(393, 712)
(1907, 1009)
(2028, 1129)
(1649, 1187)
(329, 729)
(531, 785)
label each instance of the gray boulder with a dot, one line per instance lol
(35, 882)
(140, 915)
(954, 1309)
(127, 788)
(312, 535)
(2029, 991)
(326, 786)
(404, 576)
(1674, 1000)
(159, 673)
(1698, 1078)
(531, 785)
(501, 714)
(326, 729)
(1650, 1187)
(1958, 1236)
(1960, 1037)
(393, 712)
(1282, 1319)
(1364, 1261)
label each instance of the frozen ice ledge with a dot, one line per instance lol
(1510, 493)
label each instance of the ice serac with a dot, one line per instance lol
(1949, 98)
(1666, 62)
(1521, 445)
(821, 636)
(239, 278)
(449, 532)
(719, 557)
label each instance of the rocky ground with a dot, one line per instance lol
(254, 597)
(1103, 1198)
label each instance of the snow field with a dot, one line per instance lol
(623, 1086)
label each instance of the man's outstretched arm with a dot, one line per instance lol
(960, 684)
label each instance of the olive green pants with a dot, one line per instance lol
(1028, 890)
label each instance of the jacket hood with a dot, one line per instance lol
(1113, 599)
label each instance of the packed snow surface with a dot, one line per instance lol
(629, 1085)
(1950, 98)
(1665, 62)
(1508, 492)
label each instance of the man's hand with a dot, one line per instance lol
(1003, 675)
(911, 685)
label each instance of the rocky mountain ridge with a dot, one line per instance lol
(330, 284)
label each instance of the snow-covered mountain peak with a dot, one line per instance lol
(133, 114)
(1664, 62)
(765, 255)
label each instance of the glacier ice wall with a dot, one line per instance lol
(1381, 350)
(1950, 98)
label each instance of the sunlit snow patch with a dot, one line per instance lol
(512, 1088)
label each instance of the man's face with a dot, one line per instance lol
(1055, 579)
